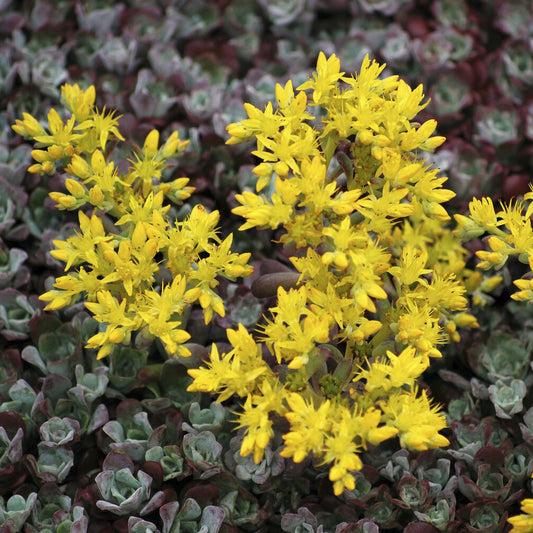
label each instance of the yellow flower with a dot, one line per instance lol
(231, 374)
(400, 370)
(308, 427)
(413, 139)
(101, 125)
(325, 79)
(162, 314)
(523, 523)
(29, 127)
(61, 133)
(119, 322)
(255, 417)
(525, 294)
(419, 327)
(81, 248)
(417, 420)
(341, 450)
(149, 214)
(443, 292)
(258, 211)
(428, 188)
(259, 429)
(382, 210)
(79, 102)
(495, 258)
(408, 100)
(288, 147)
(482, 213)
(265, 122)
(411, 265)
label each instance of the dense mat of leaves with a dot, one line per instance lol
(119, 444)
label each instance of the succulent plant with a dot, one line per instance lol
(132, 434)
(89, 385)
(484, 516)
(48, 70)
(452, 13)
(497, 126)
(58, 350)
(433, 52)
(474, 59)
(397, 45)
(197, 19)
(301, 521)
(242, 509)
(485, 484)
(395, 466)
(383, 512)
(53, 463)
(151, 98)
(117, 55)
(75, 406)
(518, 63)
(363, 491)
(122, 491)
(14, 163)
(245, 468)
(191, 517)
(40, 218)
(413, 493)
(22, 400)
(13, 272)
(138, 525)
(16, 312)
(15, 511)
(501, 357)
(10, 371)
(59, 431)
(53, 511)
(507, 396)
(460, 406)
(452, 94)
(171, 460)
(518, 463)
(12, 202)
(203, 453)
(472, 434)
(124, 363)
(169, 380)
(526, 427)
(211, 419)
(99, 20)
(11, 451)
(442, 513)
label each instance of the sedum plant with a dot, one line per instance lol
(379, 281)
(117, 254)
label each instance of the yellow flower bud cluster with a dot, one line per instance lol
(382, 279)
(126, 244)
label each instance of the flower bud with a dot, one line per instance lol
(75, 188)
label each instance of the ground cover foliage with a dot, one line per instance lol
(109, 418)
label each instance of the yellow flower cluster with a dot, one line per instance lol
(508, 232)
(382, 280)
(126, 245)
(523, 523)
